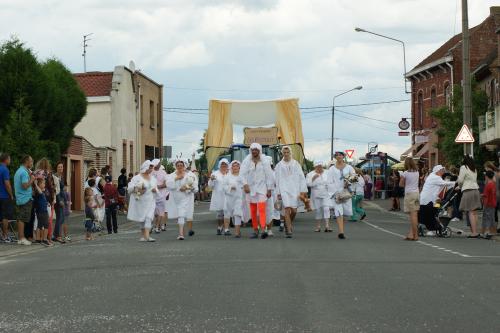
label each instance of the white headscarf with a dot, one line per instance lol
(155, 162)
(184, 161)
(145, 166)
(286, 147)
(256, 145)
(437, 168)
(318, 163)
(223, 160)
(232, 163)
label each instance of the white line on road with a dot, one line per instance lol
(463, 255)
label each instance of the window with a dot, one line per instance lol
(124, 154)
(492, 93)
(433, 98)
(158, 117)
(141, 111)
(149, 152)
(97, 161)
(420, 109)
(152, 122)
(110, 162)
(131, 157)
(447, 94)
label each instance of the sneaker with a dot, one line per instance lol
(180, 237)
(219, 232)
(282, 227)
(23, 241)
(341, 236)
(270, 233)
(455, 219)
(151, 239)
(142, 239)
(227, 233)
(191, 233)
(157, 230)
(163, 227)
(7, 239)
(430, 233)
(363, 217)
(46, 243)
(288, 235)
(264, 235)
(254, 235)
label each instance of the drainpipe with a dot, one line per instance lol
(138, 148)
(451, 91)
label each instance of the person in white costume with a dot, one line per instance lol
(161, 200)
(339, 174)
(182, 185)
(290, 186)
(233, 203)
(318, 181)
(143, 191)
(258, 181)
(216, 182)
(271, 213)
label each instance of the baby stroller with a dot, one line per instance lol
(436, 218)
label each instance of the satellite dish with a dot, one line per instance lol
(131, 65)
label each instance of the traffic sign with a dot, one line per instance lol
(465, 135)
(349, 152)
(403, 133)
(404, 124)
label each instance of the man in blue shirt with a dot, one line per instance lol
(23, 180)
(6, 196)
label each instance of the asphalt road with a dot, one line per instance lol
(371, 282)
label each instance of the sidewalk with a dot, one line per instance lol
(76, 231)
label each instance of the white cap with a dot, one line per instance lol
(256, 145)
(145, 165)
(437, 168)
(318, 163)
(155, 162)
(223, 160)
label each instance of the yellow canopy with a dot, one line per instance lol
(223, 114)
(398, 166)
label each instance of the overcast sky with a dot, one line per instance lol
(253, 49)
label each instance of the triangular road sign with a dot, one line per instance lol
(465, 135)
(349, 152)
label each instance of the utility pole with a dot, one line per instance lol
(84, 55)
(466, 79)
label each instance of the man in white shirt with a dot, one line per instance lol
(257, 183)
(290, 185)
(433, 185)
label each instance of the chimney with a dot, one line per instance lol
(494, 10)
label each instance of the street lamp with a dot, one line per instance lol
(396, 40)
(333, 116)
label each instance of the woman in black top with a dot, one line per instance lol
(396, 191)
(122, 182)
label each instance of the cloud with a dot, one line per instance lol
(187, 55)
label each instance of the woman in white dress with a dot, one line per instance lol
(339, 174)
(318, 181)
(233, 203)
(182, 184)
(216, 182)
(143, 190)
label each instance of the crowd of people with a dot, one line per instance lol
(424, 192)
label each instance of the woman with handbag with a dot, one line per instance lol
(340, 174)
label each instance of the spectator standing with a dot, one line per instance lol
(396, 191)
(471, 200)
(41, 204)
(23, 181)
(110, 203)
(409, 181)
(44, 170)
(122, 182)
(6, 197)
(368, 185)
(60, 202)
(488, 228)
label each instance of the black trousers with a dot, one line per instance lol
(111, 218)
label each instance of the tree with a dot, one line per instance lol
(45, 94)
(451, 122)
(201, 162)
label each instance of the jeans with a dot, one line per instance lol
(111, 217)
(59, 211)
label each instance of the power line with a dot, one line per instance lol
(270, 90)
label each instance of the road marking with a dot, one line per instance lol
(445, 250)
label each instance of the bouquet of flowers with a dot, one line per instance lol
(190, 179)
(139, 190)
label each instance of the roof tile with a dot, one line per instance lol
(95, 83)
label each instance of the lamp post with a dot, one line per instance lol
(396, 40)
(333, 116)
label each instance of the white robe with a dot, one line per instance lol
(290, 182)
(234, 196)
(320, 189)
(218, 193)
(336, 178)
(259, 177)
(142, 208)
(181, 204)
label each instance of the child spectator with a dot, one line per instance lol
(110, 202)
(67, 206)
(41, 205)
(90, 205)
(489, 228)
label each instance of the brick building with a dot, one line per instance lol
(433, 78)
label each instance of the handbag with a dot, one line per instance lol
(343, 196)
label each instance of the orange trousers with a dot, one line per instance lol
(261, 208)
